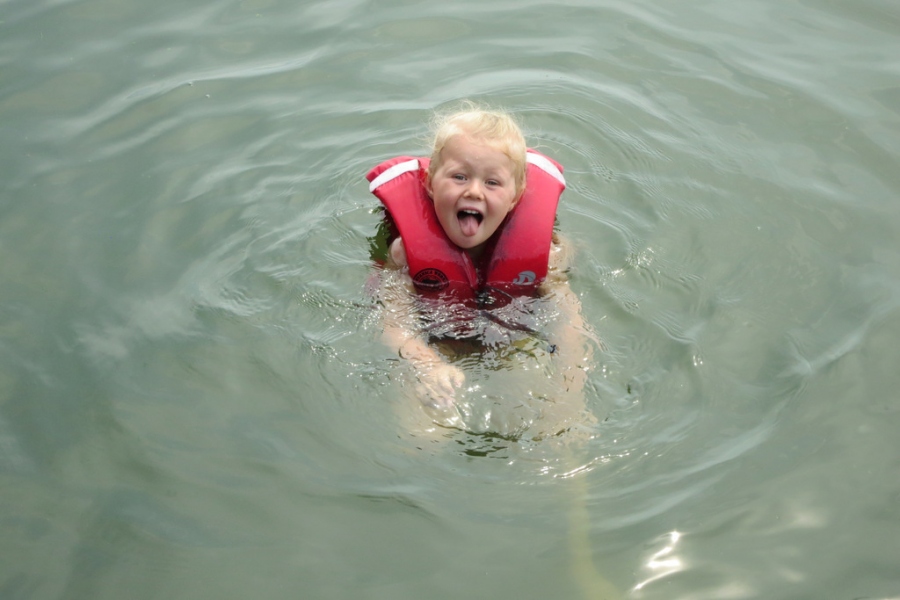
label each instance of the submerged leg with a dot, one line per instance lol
(594, 586)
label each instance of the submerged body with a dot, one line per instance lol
(515, 369)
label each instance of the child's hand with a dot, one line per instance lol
(438, 382)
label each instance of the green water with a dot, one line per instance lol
(194, 402)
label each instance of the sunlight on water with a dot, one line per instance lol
(663, 562)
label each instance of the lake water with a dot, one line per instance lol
(194, 401)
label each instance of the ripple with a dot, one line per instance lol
(185, 242)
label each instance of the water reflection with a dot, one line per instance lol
(663, 562)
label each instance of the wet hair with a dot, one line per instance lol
(494, 128)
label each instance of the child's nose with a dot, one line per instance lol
(475, 188)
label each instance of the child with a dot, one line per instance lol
(475, 234)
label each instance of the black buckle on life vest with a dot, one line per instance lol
(484, 298)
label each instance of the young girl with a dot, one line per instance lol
(474, 256)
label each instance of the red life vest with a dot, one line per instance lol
(516, 261)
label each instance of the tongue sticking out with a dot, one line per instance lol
(469, 222)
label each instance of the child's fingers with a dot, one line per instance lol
(435, 395)
(458, 378)
(446, 391)
(438, 384)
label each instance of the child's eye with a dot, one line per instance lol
(459, 177)
(492, 182)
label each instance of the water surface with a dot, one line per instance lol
(194, 402)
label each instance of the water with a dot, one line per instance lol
(193, 399)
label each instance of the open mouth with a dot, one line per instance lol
(469, 220)
(465, 214)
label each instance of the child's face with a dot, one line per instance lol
(473, 189)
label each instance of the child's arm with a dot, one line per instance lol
(437, 378)
(571, 336)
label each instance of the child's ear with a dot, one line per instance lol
(516, 201)
(427, 183)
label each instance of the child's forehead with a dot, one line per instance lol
(465, 150)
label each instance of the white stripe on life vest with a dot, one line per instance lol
(544, 164)
(393, 173)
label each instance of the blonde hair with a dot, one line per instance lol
(493, 128)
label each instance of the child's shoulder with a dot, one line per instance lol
(397, 254)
